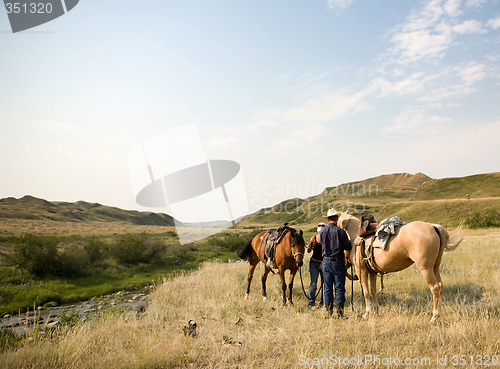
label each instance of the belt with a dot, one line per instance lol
(331, 258)
(317, 261)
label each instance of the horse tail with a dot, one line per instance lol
(244, 251)
(449, 242)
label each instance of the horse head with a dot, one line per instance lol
(298, 246)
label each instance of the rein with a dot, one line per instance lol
(302, 284)
(352, 268)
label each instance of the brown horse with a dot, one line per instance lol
(289, 255)
(417, 242)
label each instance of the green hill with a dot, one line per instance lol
(29, 207)
(369, 195)
(477, 186)
(410, 196)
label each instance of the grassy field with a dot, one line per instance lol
(238, 333)
(50, 268)
(449, 212)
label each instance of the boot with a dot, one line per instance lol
(329, 308)
(340, 310)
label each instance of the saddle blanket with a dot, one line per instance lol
(386, 229)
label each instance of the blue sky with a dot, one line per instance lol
(303, 94)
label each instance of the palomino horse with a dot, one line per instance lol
(289, 255)
(417, 242)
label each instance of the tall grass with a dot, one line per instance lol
(262, 334)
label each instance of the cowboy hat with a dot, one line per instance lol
(332, 212)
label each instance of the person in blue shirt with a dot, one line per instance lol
(334, 242)
(315, 267)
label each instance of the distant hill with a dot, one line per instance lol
(368, 195)
(477, 186)
(411, 196)
(29, 207)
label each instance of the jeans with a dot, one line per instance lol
(334, 274)
(311, 293)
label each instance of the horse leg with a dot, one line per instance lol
(264, 279)
(251, 270)
(363, 279)
(373, 290)
(283, 284)
(436, 288)
(290, 285)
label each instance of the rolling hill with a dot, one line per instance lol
(477, 186)
(29, 207)
(410, 196)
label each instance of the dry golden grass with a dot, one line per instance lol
(18, 227)
(276, 336)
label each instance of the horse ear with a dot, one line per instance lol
(301, 233)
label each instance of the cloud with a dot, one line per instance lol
(416, 45)
(452, 8)
(445, 93)
(410, 85)
(472, 73)
(469, 26)
(328, 106)
(475, 3)
(339, 5)
(430, 31)
(416, 121)
(300, 137)
(494, 23)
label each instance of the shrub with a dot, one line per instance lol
(73, 262)
(38, 255)
(490, 218)
(137, 248)
(95, 249)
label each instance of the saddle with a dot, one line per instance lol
(367, 241)
(270, 239)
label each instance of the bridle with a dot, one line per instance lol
(293, 245)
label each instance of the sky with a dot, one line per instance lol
(302, 94)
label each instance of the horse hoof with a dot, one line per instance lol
(246, 296)
(264, 298)
(434, 319)
(366, 315)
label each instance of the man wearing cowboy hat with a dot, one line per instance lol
(334, 241)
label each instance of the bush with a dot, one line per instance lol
(73, 262)
(490, 218)
(137, 248)
(95, 249)
(38, 255)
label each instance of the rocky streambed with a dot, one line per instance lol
(131, 302)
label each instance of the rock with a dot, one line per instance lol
(53, 324)
(6, 316)
(141, 308)
(41, 308)
(30, 339)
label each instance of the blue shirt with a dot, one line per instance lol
(334, 241)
